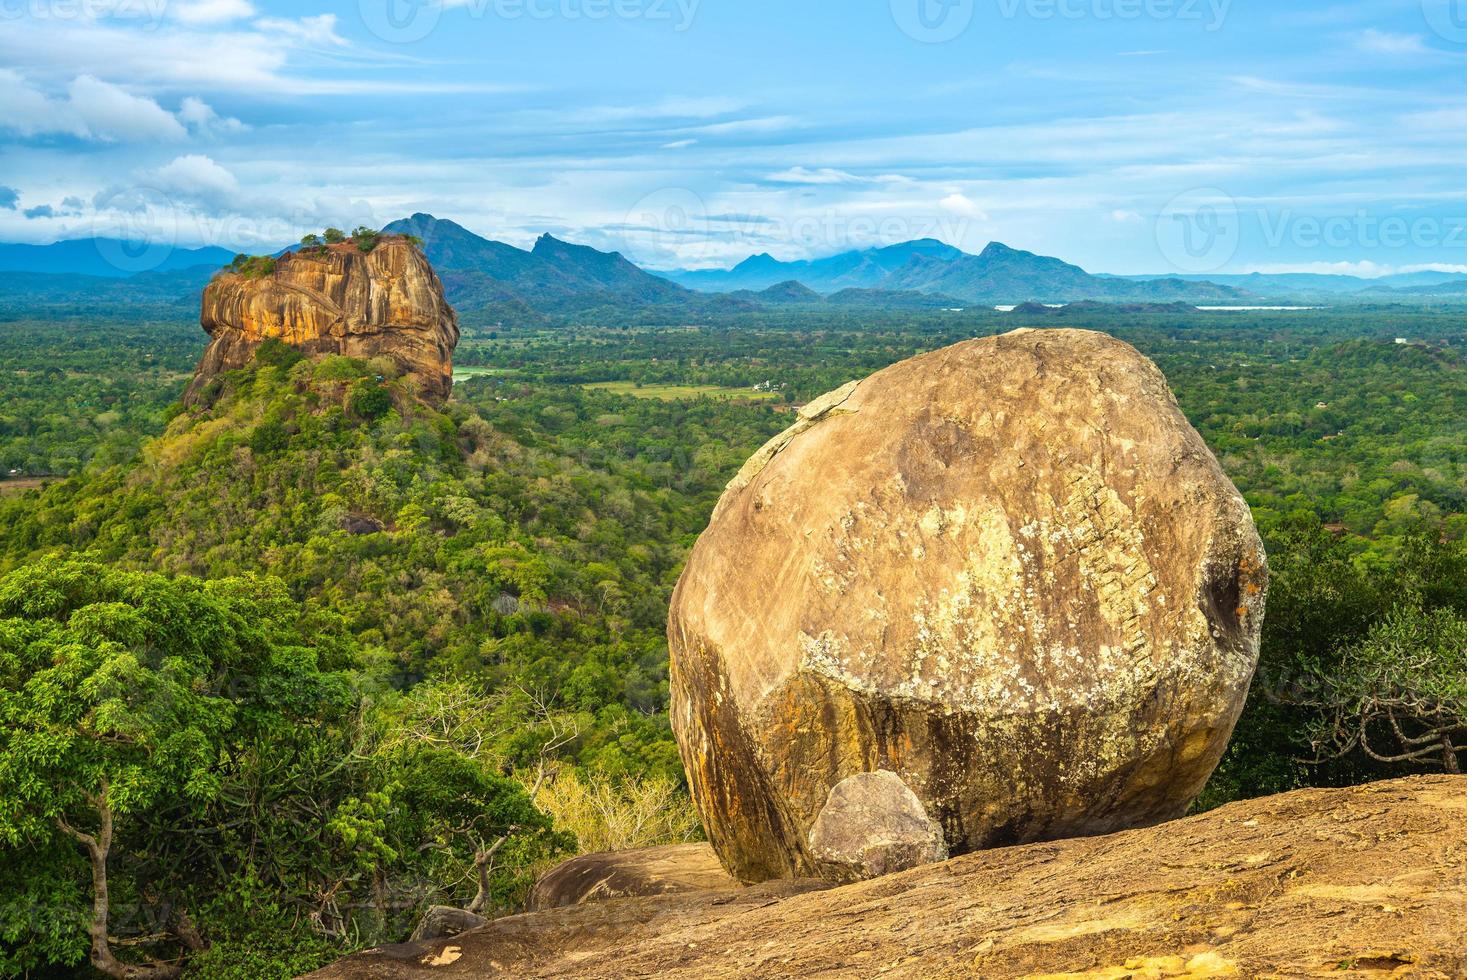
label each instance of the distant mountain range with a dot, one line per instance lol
(1315, 284)
(555, 278)
(107, 258)
(1008, 276)
(865, 269)
(997, 275)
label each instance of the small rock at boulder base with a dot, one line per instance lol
(1009, 573)
(335, 299)
(872, 824)
(666, 870)
(444, 921)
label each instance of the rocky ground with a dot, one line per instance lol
(1369, 881)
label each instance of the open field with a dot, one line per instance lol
(673, 392)
(20, 484)
(466, 371)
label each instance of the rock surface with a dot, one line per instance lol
(338, 300)
(668, 870)
(1008, 572)
(1363, 882)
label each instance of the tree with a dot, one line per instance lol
(1400, 696)
(120, 693)
(334, 236)
(311, 241)
(365, 238)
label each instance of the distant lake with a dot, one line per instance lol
(1209, 309)
(467, 371)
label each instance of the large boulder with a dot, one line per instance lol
(335, 299)
(1008, 573)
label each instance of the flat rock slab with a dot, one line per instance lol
(669, 870)
(1369, 881)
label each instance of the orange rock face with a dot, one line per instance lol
(336, 300)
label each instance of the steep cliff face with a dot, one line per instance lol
(337, 300)
(1003, 586)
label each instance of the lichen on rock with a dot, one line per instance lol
(1009, 571)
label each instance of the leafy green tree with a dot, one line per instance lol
(122, 692)
(334, 236)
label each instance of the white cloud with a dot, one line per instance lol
(92, 109)
(108, 112)
(199, 116)
(831, 176)
(212, 11)
(1123, 217)
(764, 124)
(961, 204)
(28, 112)
(802, 175)
(319, 30)
(195, 179)
(1364, 269)
(1383, 42)
(237, 59)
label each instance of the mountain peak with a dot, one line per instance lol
(995, 250)
(755, 263)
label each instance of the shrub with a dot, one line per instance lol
(614, 815)
(277, 353)
(253, 266)
(365, 238)
(369, 400)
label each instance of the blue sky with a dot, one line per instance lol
(1129, 136)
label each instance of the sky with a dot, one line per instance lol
(1127, 136)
